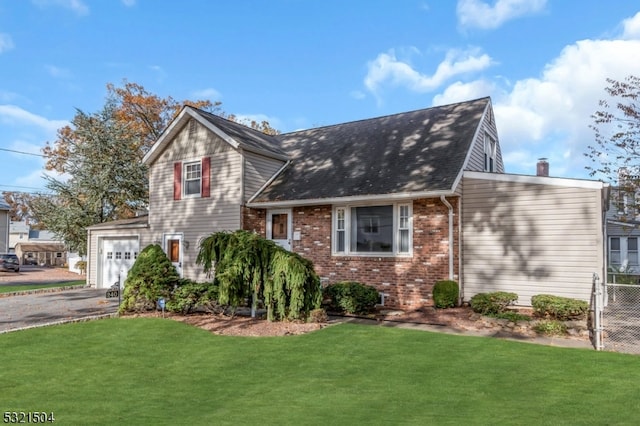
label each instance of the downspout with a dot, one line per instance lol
(450, 207)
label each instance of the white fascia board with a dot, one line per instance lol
(206, 123)
(234, 143)
(537, 180)
(166, 136)
(358, 199)
(268, 182)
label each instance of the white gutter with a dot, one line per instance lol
(402, 196)
(450, 207)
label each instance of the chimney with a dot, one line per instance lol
(542, 169)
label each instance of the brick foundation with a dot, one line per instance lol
(406, 282)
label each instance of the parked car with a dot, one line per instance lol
(9, 262)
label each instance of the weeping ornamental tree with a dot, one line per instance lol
(249, 266)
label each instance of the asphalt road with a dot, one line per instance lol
(34, 310)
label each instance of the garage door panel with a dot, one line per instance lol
(118, 256)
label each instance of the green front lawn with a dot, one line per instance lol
(25, 287)
(155, 371)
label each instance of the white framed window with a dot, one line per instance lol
(489, 153)
(340, 234)
(192, 179)
(623, 252)
(373, 230)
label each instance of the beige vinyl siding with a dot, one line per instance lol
(195, 218)
(476, 158)
(258, 169)
(531, 238)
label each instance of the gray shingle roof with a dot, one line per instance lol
(247, 137)
(4, 205)
(418, 151)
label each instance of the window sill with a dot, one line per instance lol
(373, 256)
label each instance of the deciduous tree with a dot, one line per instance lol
(143, 115)
(617, 133)
(20, 205)
(104, 179)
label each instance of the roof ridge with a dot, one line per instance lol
(383, 116)
(232, 122)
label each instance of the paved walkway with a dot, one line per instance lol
(46, 308)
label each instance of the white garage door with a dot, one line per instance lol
(117, 257)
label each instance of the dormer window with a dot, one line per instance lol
(489, 153)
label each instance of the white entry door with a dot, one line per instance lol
(173, 248)
(118, 256)
(279, 227)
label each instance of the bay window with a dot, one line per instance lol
(382, 229)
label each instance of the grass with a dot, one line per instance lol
(25, 287)
(155, 371)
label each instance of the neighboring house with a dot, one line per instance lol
(623, 229)
(398, 202)
(4, 227)
(36, 247)
(18, 232)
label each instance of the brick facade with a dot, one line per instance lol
(405, 281)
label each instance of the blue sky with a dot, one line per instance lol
(301, 64)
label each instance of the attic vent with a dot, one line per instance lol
(193, 129)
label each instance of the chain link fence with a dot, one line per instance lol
(621, 317)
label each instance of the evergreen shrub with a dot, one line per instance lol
(559, 308)
(190, 296)
(248, 266)
(492, 303)
(551, 328)
(151, 277)
(352, 297)
(445, 294)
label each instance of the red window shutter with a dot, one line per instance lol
(206, 177)
(177, 181)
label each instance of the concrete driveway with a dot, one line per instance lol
(50, 307)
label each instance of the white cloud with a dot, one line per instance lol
(459, 91)
(258, 118)
(480, 14)
(386, 69)
(208, 93)
(129, 3)
(357, 94)
(57, 72)
(11, 114)
(6, 42)
(631, 27)
(77, 6)
(550, 116)
(160, 72)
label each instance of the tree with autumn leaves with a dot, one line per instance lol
(98, 158)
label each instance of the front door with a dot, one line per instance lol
(173, 249)
(279, 227)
